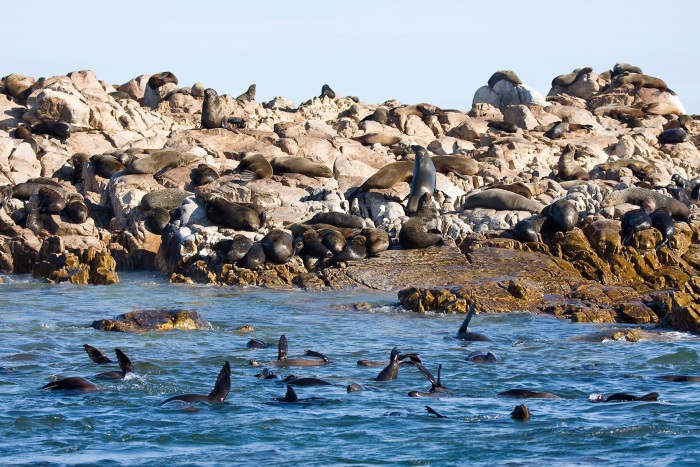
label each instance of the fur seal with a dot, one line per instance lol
(423, 178)
(333, 240)
(464, 334)
(204, 175)
(249, 95)
(503, 126)
(309, 244)
(300, 165)
(377, 138)
(58, 129)
(18, 86)
(354, 387)
(570, 78)
(633, 221)
(166, 198)
(391, 371)
(159, 161)
(76, 210)
(124, 364)
(294, 381)
(421, 230)
(234, 215)
(158, 218)
(622, 67)
(278, 246)
(567, 168)
(377, 240)
(255, 257)
(48, 200)
(389, 175)
(73, 383)
(460, 166)
(680, 378)
(640, 169)
(160, 79)
(354, 249)
(106, 165)
(649, 199)
(640, 80)
(673, 136)
(517, 187)
(216, 396)
(255, 167)
(479, 356)
(240, 246)
(197, 89)
(436, 387)
(339, 219)
(256, 344)
(520, 412)
(563, 215)
(527, 394)
(557, 130)
(326, 91)
(96, 355)
(502, 200)
(528, 230)
(22, 131)
(623, 397)
(663, 222)
(284, 361)
(507, 75)
(212, 110)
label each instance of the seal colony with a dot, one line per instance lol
(541, 177)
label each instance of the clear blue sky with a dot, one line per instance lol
(435, 51)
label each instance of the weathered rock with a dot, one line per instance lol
(154, 320)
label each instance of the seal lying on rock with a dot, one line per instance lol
(159, 161)
(502, 200)
(633, 221)
(299, 165)
(648, 199)
(254, 166)
(234, 215)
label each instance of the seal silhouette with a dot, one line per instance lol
(216, 396)
(464, 334)
(423, 178)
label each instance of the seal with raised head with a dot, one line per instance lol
(216, 396)
(567, 168)
(299, 165)
(212, 110)
(124, 364)
(423, 178)
(634, 221)
(326, 91)
(648, 199)
(391, 371)
(249, 95)
(520, 412)
(421, 230)
(464, 334)
(254, 166)
(570, 78)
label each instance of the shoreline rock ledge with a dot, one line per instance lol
(583, 204)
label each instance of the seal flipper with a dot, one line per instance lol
(467, 319)
(427, 374)
(432, 411)
(290, 396)
(313, 353)
(222, 386)
(96, 355)
(124, 362)
(282, 348)
(652, 396)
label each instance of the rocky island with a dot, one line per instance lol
(582, 204)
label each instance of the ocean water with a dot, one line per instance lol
(43, 328)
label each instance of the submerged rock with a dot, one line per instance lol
(154, 320)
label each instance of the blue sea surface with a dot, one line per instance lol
(43, 328)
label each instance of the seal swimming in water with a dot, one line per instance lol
(663, 222)
(216, 396)
(479, 356)
(526, 394)
(391, 371)
(464, 334)
(634, 221)
(212, 110)
(300, 165)
(124, 364)
(73, 383)
(623, 397)
(423, 178)
(421, 230)
(294, 381)
(96, 355)
(436, 387)
(284, 361)
(520, 412)
(680, 378)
